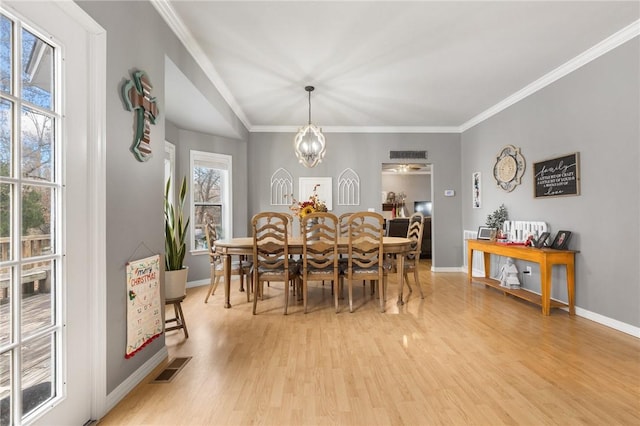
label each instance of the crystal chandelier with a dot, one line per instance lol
(309, 142)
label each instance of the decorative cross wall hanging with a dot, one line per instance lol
(136, 94)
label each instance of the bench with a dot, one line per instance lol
(29, 280)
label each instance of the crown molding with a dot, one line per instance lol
(174, 22)
(359, 129)
(605, 46)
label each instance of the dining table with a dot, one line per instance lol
(243, 246)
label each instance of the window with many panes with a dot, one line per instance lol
(210, 196)
(30, 194)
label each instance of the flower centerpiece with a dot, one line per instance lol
(312, 205)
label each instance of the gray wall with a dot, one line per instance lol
(593, 111)
(137, 38)
(365, 153)
(185, 141)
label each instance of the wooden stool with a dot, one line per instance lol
(179, 318)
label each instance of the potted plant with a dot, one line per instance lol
(175, 234)
(497, 218)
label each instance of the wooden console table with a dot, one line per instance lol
(545, 257)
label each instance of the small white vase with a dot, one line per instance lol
(175, 283)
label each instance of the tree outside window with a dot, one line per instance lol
(210, 194)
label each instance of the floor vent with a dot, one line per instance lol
(172, 370)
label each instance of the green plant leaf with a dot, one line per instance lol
(176, 226)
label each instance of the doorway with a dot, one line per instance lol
(406, 188)
(67, 394)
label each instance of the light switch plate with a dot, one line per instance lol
(449, 192)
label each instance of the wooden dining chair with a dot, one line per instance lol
(271, 260)
(240, 267)
(319, 252)
(412, 259)
(343, 223)
(290, 223)
(365, 260)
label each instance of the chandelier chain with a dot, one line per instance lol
(309, 106)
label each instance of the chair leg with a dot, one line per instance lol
(241, 280)
(286, 295)
(381, 295)
(351, 296)
(249, 286)
(386, 282)
(416, 276)
(258, 289)
(212, 288)
(337, 290)
(305, 294)
(406, 281)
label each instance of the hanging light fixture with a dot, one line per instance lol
(309, 142)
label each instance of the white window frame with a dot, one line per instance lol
(56, 331)
(217, 161)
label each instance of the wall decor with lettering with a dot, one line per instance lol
(557, 177)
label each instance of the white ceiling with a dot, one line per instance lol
(383, 66)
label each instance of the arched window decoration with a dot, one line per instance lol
(348, 188)
(281, 187)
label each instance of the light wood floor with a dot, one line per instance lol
(465, 354)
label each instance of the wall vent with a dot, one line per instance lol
(408, 155)
(171, 370)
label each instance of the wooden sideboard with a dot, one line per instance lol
(545, 257)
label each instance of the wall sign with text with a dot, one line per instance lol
(557, 177)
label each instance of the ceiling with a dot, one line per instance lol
(394, 66)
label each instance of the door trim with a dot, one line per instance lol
(96, 159)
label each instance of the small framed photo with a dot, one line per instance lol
(541, 242)
(561, 240)
(484, 233)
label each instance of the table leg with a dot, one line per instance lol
(487, 264)
(571, 287)
(401, 277)
(545, 287)
(226, 259)
(470, 263)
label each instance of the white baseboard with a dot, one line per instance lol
(133, 380)
(608, 322)
(207, 281)
(448, 269)
(198, 283)
(600, 319)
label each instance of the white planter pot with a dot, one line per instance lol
(175, 283)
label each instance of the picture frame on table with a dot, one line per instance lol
(561, 241)
(484, 233)
(541, 242)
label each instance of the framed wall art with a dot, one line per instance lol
(322, 185)
(557, 177)
(476, 190)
